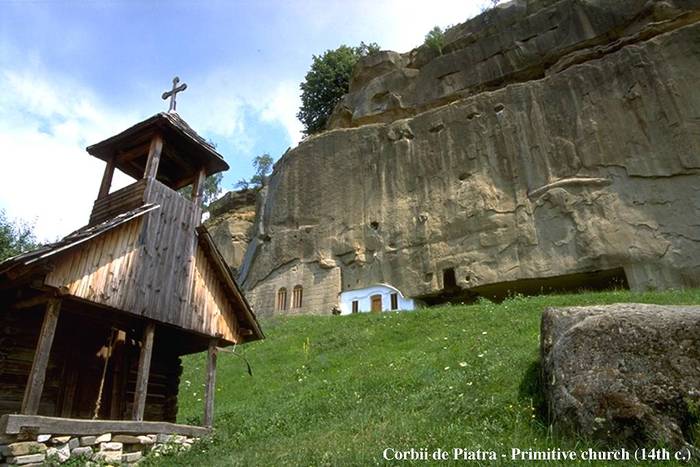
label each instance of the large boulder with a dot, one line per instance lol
(625, 374)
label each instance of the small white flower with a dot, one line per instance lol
(469, 383)
(480, 355)
(484, 333)
(447, 368)
(462, 364)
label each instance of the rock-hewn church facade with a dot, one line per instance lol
(551, 144)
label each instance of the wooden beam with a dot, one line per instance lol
(141, 389)
(210, 390)
(120, 365)
(133, 153)
(198, 186)
(154, 152)
(106, 179)
(34, 301)
(37, 375)
(197, 194)
(12, 424)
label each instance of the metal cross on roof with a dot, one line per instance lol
(173, 93)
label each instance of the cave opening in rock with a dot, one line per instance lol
(608, 279)
(449, 279)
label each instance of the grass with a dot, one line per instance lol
(331, 390)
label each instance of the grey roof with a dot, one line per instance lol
(181, 133)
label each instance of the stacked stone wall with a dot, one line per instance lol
(124, 449)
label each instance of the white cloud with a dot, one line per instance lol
(48, 118)
(46, 176)
(215, 107)
(281, 107)
(403, 24)
(222, 100)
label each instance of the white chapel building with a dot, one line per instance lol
(376, 298)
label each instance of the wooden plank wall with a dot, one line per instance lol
(19, 332)
(75, 368)
(211, 309)
(105, 270)
(123, 200)
(152, 267)
(163, 385)
(167, 256)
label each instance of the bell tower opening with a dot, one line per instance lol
(163, 154)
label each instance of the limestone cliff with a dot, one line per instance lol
(552, 138)
(231, 224)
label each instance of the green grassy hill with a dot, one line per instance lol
(330, 390)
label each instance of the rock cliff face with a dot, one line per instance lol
(231, 225)
(552, 140)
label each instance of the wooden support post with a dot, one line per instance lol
(37, 375)
(120, 368)
(141, 389)
(106, 179)
(211, 384)
(198, 186)
(197, 194)
(153, 157)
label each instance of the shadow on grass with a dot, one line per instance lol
(531, 389)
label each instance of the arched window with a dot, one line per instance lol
(282, 299)
(296, 296)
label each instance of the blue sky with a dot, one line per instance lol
(75, 72)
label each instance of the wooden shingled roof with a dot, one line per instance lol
(182, 138)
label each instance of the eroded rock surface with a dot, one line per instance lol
(231, 225)
(515, 42)
(624, 374)
(591, 164)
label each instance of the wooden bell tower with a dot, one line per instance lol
(163, 149)
(143, 280)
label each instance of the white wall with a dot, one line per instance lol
(363, 296)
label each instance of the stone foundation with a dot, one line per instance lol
(120, 449)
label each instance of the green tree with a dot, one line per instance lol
(435, 39)
(210, 191)
(263, 166)
(242, 184)
(326, 83)
(15, 237)
(212, 188)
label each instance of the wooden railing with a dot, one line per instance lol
(123, 200)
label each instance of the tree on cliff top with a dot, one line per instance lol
(263, 166)
(210, 191)
(326, 83)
